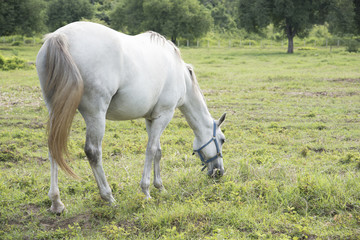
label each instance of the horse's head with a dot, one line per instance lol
(210, 152)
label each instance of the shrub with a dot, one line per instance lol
(29, 40)
(12, 63)
(2, 61)
(248, 42)
(352, 46)
(306, 48)
(17, 43)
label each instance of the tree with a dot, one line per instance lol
(62, 12)
(342, 17)
(128, 16)
(102, 10)
(175, 18)
(222, 12)
(22, 17)
(357, 16)
(294, 17)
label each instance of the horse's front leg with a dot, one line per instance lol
(153, 152)
(54, 194)
(95, 129)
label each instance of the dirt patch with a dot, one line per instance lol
(317, 150)
(323, 94)
(7, 155)
(32, 209)
(26, 97)
(350, 80)
(36, 124)
(50, 224)
(41, 160)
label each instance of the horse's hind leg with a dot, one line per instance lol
(54, 194)
(95, 129)
(157, 156)
(153, 151)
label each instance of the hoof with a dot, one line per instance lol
(58, 210)
(147, 197)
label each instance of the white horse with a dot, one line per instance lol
(108, 75)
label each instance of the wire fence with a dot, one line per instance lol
(248, 43)
(219, 43)
(19, 40)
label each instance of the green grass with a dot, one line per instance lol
(292, 156)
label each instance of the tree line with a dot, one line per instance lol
(189, 19)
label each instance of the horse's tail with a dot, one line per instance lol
(63, 90)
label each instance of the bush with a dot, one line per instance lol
(2, 61)
(306, 48)
(17, 43)
(12, 63)
(352, 46)
(28, 40)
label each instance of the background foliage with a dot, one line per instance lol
(187, 19)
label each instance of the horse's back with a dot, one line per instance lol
(129, 75)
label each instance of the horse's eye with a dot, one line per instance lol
(222, 141)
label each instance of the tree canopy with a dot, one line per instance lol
(184, 18)
(61, 12)
(342, 17)
(22, 17)
(173, 18)
(294, 17)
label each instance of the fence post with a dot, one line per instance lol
(240, 43)
(208, 43)
(197, 43)
(229, 43)
(219, 43)
(338, 43)
(187, 43)
(326, 42)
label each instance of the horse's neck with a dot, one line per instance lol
(196, 112)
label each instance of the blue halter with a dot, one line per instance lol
(218, 152)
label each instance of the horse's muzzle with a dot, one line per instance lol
(216, 172)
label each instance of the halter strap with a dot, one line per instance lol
(218, 152)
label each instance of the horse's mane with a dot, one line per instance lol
(194, 81)
(154, 36)
(160, 39)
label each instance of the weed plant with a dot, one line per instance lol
(291, 158)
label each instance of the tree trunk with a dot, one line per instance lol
(290, 33)
(290, 45)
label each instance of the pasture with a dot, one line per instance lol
(292, 156)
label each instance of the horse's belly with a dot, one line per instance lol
(120, 112)
(130, 106)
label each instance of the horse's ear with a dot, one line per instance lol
(221, 120)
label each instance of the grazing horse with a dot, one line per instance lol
(109, 75)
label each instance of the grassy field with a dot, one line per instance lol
(292, 156)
